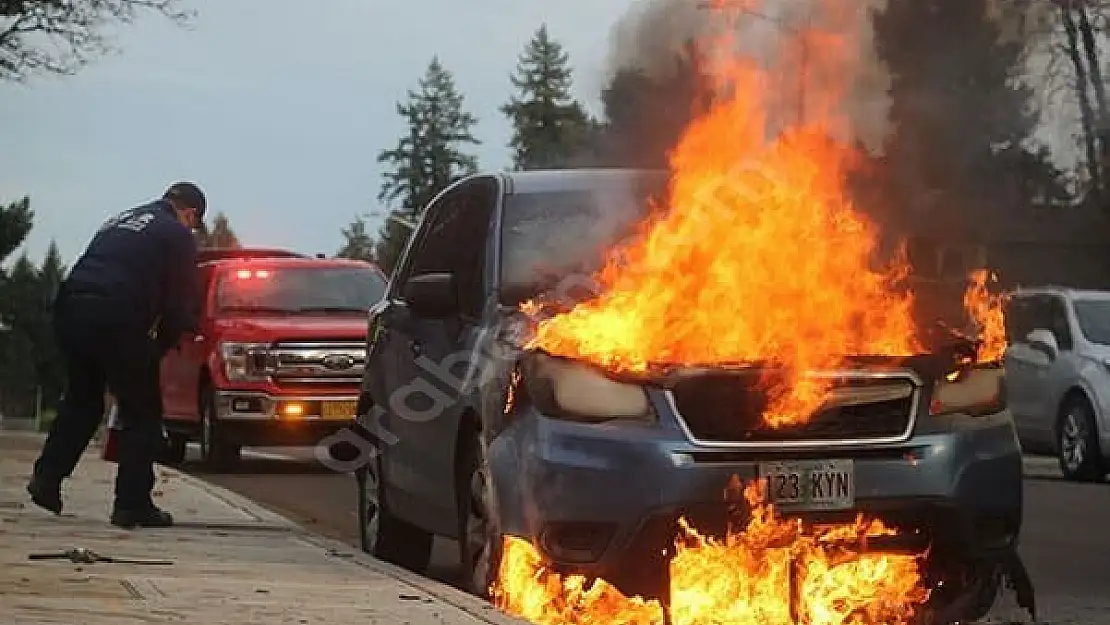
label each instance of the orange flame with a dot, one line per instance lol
(759, 256)
(986, 310)
(740, 580)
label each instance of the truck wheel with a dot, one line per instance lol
(216, 452)
(175, 450)
(480, 539)
(1077, 442)
(381, 534)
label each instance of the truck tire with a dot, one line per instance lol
(216, 452)
(175, 450)
(380, 533)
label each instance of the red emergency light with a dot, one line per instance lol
(247, 274)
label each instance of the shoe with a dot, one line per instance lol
(149, 517)
(45, 496)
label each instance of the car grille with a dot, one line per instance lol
(318, 363)
(728, 408)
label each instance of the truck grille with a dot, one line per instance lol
(318, 363)
(728, 408)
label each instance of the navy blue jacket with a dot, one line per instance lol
(140, 271)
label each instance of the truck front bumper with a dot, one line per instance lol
(255, 418)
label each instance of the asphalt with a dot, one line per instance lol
(1065, 544)
(227, 560)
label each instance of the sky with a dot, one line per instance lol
(278, 114)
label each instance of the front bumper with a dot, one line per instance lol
(259, 418)
(596, 498)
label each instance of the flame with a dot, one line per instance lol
(743, 579)
(759, 255)
(986, 310)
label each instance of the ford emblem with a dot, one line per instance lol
(338, 362)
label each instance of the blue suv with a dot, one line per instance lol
(474, 438)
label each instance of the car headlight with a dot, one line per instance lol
(575, 391)
(245, 362)
(975, 391)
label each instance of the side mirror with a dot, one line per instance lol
(1044, 341)
(431, 295)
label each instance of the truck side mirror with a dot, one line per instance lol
(431, 295)
(1044, 341)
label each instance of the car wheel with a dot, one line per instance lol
(967, 601)
(480, 539)
(1077, 443)
(381, 534)
(215, 452)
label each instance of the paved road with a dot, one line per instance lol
(1066, 542)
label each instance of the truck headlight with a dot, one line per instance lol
(245, 362)
(975, 391)
(575, 391)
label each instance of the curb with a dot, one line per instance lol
(459, 599)
(1040, 467)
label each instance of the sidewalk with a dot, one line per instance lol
(233, 562)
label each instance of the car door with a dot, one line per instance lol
(1051, 375)
(1025, 313)
(430, 356)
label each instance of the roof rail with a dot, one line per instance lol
(210, 254)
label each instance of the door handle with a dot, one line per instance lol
(199, 338)
(416, 348)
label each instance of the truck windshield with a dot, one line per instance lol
(292, 290)
(547, 237)
(1094, 319)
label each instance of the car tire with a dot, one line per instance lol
(215, 452)
(1077, 443)
(480, 538)
(383, 535)
(968, 601)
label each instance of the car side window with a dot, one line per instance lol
(454, 241)
(1058, 323)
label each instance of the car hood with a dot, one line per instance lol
(298, 327)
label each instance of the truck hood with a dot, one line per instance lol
(314, 327)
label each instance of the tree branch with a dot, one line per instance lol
(61, 36)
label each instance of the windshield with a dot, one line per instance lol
(548, 236)
(285, 290)
(1094, 319)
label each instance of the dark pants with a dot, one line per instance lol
(102, 353)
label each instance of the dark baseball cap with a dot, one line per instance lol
(188, 195)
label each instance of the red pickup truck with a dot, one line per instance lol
(279, 355)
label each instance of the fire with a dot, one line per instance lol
(757, 254)
(760, 256)
(744, 579)
(986, 310)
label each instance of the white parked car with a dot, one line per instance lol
(1058, 376)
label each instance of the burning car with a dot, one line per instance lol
(485, 435)
(694, 396)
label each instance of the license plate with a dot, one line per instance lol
(805, 485)
(337, 410)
